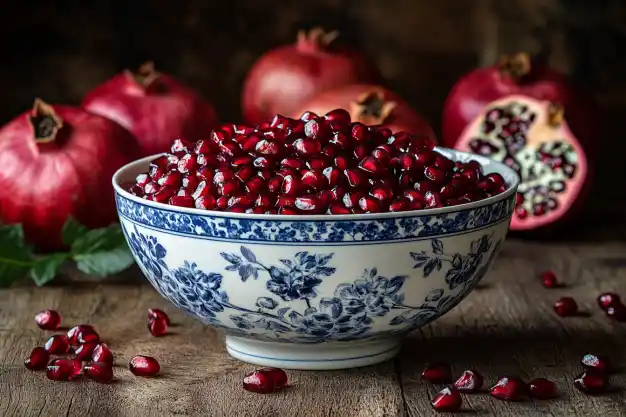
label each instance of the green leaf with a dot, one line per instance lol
(102, 252)
(72, 230)
(46, 269)
(15, 255)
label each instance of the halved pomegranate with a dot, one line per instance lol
(533, 138)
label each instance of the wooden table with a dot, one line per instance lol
(506, 326)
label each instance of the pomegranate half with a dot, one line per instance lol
(371, 105)
(57, 161)
(153, 106)
(534, 139)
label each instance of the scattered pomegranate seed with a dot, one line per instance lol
(87, 335)
(259, 381)
(278, 376)
(617, 312)
(102, 353)
(72, 334)
(99, 372)
(57, 344)
(509, 389)
(38, 359)
(447, 401)
(157, 326)
(145, 366)
(83, 352)
(549, 280)
(469, 381)
(608, 299)
(48, 320)
(591, 382)
(566, 307)
(599, 363)
(63, 369)
(542, 389)
(437, 373)
(155, 312)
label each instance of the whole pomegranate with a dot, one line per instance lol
(534, 139)
(514, 75)
(371, 105)
(153, 106)
(57, 161)
(285, 77)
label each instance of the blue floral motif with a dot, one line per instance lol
(292, 309)
(377, 229)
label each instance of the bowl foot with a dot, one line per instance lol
(323, 356)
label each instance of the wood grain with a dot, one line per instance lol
(504, 327)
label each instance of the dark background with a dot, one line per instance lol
(58, 50)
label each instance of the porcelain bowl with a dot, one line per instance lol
(315, 292)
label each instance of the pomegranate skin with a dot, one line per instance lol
(154, 106)
(66, 174)
(286, 76)
(361, 100)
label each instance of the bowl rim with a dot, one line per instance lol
(512, 177)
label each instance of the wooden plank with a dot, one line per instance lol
(508, 327)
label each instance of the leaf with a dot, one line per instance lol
(246, 271)
(331, 306)
(430, 267)
(282, 311)
(102, 252)
(457, 261)
(231, 258)
(15, 255)
(373, 272)
(247, 253)
(46, 269)
(434, 295)
(72, 231)
(437, 246)
(395, 284)
(421, 258)
(266, 302)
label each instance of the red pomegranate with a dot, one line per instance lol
(153, 106)
(57, 161)
(514, 75)
(534, 139)
(287, 76)
(371, 105)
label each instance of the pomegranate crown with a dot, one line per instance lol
(44, 121)
(371, 108)
(315, 39)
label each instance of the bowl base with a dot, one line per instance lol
(323, 356)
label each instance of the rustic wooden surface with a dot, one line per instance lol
(505, 327)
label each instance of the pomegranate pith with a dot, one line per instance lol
(509, 388)
(566, 307)
(448, 400)
(145, 366)
(57, 344)
(38, 359)
(437, 373)
(542, 389)
(469, 381)
(48, 320)
(591, 382)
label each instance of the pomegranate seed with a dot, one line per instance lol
(260, 381)
(206, 203)
(608, 299)
(437, 373)
(599, 363)
(145, 366)
(48, 320)
(307, 147)
(57, 344)
(86, 334)
(291, 185)
(180, 145)
(85, 351)
(278, 376)
(549, 280)
(102, 353)
(99, 372)
(315, 128)
(566, 307)
(72, 334)
(142, 180)
(617, 312)
(339, 116)
(156, 313)
(157, 326)
(63, 369)
(469, 381)
(37, 360)
(591, 382)
(369, 204)
(172, 179)
(508, 389)
(542, 389)
(448, 400)
(399, 204)
(182, 201)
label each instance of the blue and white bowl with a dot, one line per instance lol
(315, 292)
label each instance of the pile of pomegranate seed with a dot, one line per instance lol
(313, 165)
(265, 380)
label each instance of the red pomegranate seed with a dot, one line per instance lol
(549, 280)
(597, 362)
(145, 366)
(72, 334)
(63, 369)
(85, 351)
(591, 382)
(182, 201)
(399, 204)
(37, 360)
(180, 145)
(57, 344)
(259, 381)
(157, 326)
(99, 372)
(436, 175)
(448, 400)
(278, 376)
(617, 312)
(508, 389)
(355, 177)
(102, 353)
(437, 373)
(337, 208)
(469, 381)
(157, 313)
(48, 319)
(370, 204)
(608, 299)
(542, 389)
(566, 307)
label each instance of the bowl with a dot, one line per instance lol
(317, 291)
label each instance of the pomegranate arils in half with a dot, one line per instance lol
(57, 344)
(38, 359)
(591, 382)
(542, 389)
(599, 363)
(156, 313)
(509, 388)
(102, 353)
(566, 307)
(437, 373)
(63, 369)
(157, 326)
(99, 372)
(549, 279)
(448, 400)
(469, 381)
(84, 351)
(48, 319)
(145, 366)
(608, 299)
